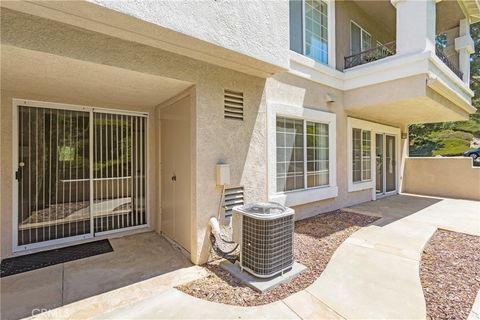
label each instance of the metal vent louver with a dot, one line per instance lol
(233, 105)
(265, 234)
(233, 197)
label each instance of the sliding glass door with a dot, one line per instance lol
(386, 166)
(53, 174)
(80, 173)
(119, 172)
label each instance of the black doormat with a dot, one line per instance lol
(44, 259)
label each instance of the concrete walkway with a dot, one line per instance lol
(374, 274)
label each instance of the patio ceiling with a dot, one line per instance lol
(76, 81)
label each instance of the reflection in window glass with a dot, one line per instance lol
(301, 164)
(361, 155)
(316, 30)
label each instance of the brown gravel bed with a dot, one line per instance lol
(315, 240)
(450, 274)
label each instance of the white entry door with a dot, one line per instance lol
(80, 172)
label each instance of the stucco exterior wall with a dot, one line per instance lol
(241, 144)
(291, 90)
(347, 11)
(442, 177)
(255, 28)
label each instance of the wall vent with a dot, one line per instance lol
(233, 105)
(233, 197)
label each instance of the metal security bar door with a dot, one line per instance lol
(53, 175)
(80, 172)
(119, 172)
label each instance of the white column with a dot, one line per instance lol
(415, 25)
(465, 47)
(405, 152)
(331, 35)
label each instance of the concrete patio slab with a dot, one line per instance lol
(173, 304)
(26, 293)
(307, 306)
(134, 259)
(125, 296)
(365, 283)
(452, 214)
(403, 238)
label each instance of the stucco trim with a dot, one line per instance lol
(374, 128)
(387, 69)
(298, 197)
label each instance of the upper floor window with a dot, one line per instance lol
(360, 40)
(309, 28)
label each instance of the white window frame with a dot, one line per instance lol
(330, 34)
(374, 128)
(361, 155)
(362, 30)
(306, 195)
(68, 241)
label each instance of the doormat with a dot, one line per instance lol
(29, 262)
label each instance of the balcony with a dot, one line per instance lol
(374, 54)
(442, 56)
(416, 76)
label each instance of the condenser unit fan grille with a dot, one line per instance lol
(267, 245)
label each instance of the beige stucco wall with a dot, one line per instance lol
(255, 28)
(215, 138)
(401, 102)
(347, 11)
(291, 90)
(442, 177)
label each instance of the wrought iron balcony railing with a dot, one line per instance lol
(370, 55)
(448, 63)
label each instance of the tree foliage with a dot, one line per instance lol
(451, 138)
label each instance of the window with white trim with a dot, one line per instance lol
(360, 40)
(309, 29)
(361, 155)
(302, 150)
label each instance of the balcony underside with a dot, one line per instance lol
(410, 100)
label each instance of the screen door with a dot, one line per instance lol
(119, 172)
(80, 173)
(53, 174)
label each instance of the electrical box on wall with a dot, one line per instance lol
(223, 174)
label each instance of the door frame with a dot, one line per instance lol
(374, 128)
(16, 103)
(384, 192)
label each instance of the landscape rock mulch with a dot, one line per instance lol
(315, 241)
(450, 274)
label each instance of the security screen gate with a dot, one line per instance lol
(80, 172)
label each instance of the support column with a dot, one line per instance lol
(405, 152)
(465, 47)
(415, 25)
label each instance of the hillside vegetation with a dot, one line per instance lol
(451, 138)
